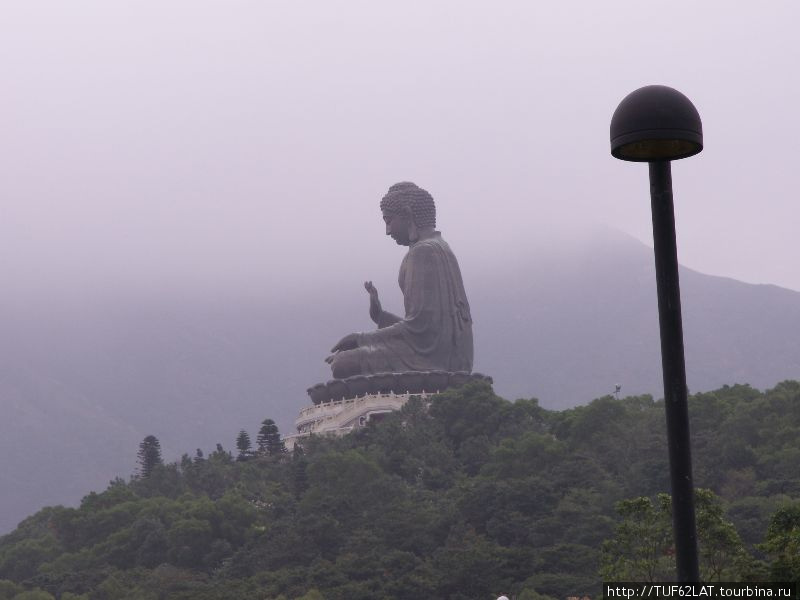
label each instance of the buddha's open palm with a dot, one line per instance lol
(375, 308)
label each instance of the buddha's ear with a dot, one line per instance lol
(413, 230)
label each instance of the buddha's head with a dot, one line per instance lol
(409, 212)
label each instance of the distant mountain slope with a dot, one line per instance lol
(54, 442)
(80, 388)
(568, 330)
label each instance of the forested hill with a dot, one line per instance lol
(469, 498)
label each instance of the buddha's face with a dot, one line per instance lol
(398, 226)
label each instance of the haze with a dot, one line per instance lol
(241, 147)
(189, 206)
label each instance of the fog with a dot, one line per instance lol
(241, 147)
(189, 202)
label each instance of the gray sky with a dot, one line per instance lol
(154, 146)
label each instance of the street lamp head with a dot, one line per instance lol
(655, 123)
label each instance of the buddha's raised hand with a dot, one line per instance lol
(375, 308)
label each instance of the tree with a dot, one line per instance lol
(220, 455)
(312, 594)
(243, 445)
(783, 543)
(149, 455)
(643, 549)
(269, 439)
(722, 554)
(9, 589)
(36, 594)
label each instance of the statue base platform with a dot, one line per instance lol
(410, 382)
(343, 405)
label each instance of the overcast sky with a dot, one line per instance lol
(156, 146)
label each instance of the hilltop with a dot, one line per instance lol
(468, 498)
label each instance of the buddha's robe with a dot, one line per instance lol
(436, 332)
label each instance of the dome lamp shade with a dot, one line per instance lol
(655, 123)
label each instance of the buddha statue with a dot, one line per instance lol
(435, 332)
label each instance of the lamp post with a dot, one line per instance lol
(657, 124)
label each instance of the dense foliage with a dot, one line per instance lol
(470, 497)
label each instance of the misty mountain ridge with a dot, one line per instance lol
(80, 387)
(592, 322)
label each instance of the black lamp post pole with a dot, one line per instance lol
(674, 368)
(657, 124)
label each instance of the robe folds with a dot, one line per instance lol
(436, 332)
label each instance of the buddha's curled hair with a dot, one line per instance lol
(407, 194)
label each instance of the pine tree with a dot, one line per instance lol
(269, 439)
(149, 455)
(243, 444)
(221, 455)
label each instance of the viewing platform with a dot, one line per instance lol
(343, 416)
(370, 399)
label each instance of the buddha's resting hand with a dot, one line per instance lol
(375, 308)
(348, 342)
